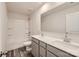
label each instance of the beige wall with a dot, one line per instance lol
(3, 26)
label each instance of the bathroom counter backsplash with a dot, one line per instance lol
(59, 43)
(54, 34)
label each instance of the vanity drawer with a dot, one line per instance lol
(35, 40)
(42, 51)
(42, 44)
(58, 52)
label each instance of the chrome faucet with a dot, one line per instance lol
(66, 38)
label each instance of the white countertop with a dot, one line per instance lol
(71, 48)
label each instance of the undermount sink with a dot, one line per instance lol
(67, 44)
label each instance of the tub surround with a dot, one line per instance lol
(71, 47)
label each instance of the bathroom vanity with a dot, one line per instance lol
(62, 38)
(44, 48)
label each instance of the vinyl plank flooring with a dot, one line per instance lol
(20, 52)
(12, 53)
(16, 53)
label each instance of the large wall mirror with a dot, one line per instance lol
(72, 23)
(72, 26)
(53, 24)
(65, 19)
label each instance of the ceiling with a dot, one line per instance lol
(23, 7)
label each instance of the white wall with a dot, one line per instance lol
(35, 18)
(35, 22)
(3, 26)
(17, 27)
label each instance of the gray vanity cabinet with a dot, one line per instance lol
(35, 48)
(58, 52)
(41, 49)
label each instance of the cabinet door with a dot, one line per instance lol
(49, 54)
(42, 51)
(58, 52)
(42, 44)
(35, 49)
